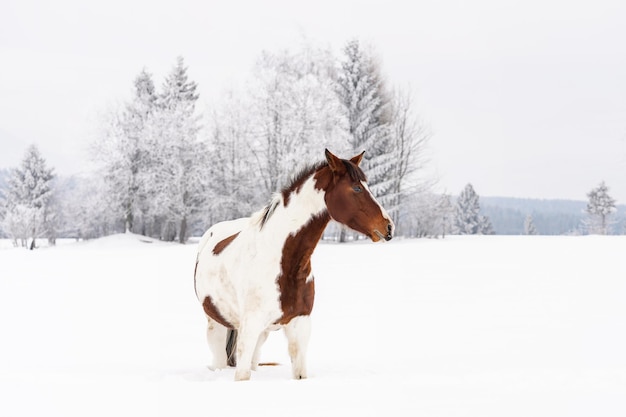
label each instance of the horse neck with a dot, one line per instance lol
(300, 244)
(299, 215)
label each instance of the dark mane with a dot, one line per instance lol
(356, 173)
(297, 180)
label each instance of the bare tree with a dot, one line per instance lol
(231, 168)
(409, 140)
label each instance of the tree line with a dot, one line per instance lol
(167, 170)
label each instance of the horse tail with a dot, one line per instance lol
(231, 343)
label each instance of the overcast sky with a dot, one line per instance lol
(524, 98)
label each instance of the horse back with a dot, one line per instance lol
(220, 231)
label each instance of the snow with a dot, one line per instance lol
(461, 326)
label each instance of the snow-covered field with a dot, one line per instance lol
(464, 326)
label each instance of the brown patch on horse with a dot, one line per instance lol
(211, 310)
(221, 245)
(296, 293)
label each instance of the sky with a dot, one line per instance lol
(523, 98)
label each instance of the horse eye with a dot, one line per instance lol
(357, 189)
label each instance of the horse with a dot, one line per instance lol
(253, 275)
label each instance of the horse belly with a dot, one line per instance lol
(217, 295)
(238, 287)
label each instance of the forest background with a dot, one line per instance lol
(164, 169)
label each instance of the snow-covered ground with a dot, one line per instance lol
(464, 326)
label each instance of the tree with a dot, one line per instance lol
(599, 210)
(363, 93)
(409, 140)
(425, 215)
(28, 212)
(233, 180)
(446, 211)
(139, 113)
(467, 218)
(177, 157)
(295, 112)
(121, 151)
(529, 226)
(152, 160)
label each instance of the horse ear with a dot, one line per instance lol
(357, 159)
(334, 162)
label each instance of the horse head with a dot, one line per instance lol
(350, 202)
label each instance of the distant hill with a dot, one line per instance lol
(551, 217)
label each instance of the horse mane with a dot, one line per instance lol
(267, 212)
(296, 182)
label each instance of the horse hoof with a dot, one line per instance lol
(242, 375)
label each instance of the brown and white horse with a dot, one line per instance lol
(253, 275)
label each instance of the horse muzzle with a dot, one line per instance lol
(386, 236)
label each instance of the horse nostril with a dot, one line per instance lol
(389, 231)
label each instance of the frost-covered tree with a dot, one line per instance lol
(425, 215)
(139, 114)
(28, 210)
(295, 113)
(364, 96)
(177, 156)
(446, 212)
(409, 140)
(467, 217)
(121, 151)
(363, 93)
(529, 226)
(234, 182)
(599, 210)
(85, 211)
(151, 157)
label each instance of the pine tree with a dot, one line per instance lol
(362, 92)
(178, 92)
(28, 210)
(599, 210)
(139, 114)
(467, 218)
(178, 157)
(122, 152)
(367, 103)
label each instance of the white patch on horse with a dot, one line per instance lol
(382, 209)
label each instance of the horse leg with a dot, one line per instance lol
(298, 331)
(216, 335)
(247, 340)
(257, 350)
